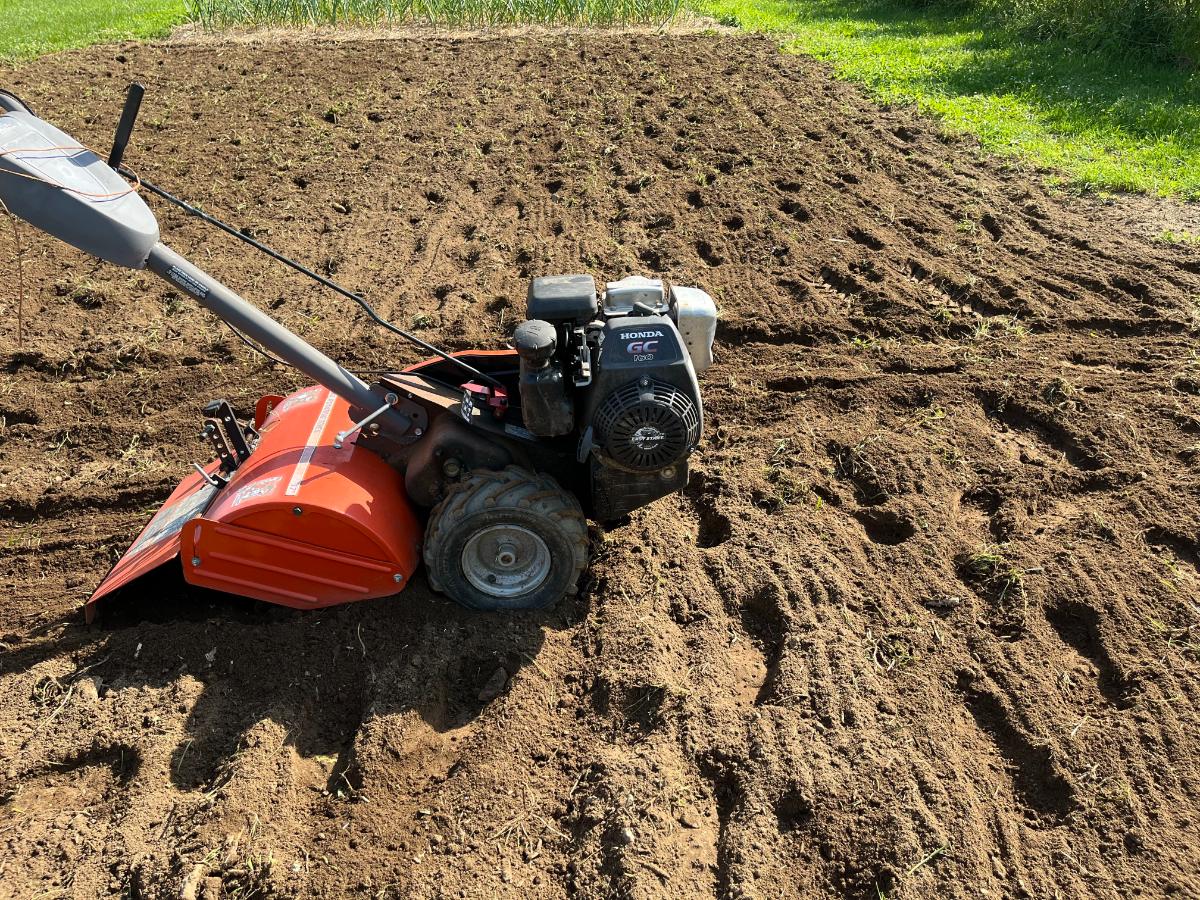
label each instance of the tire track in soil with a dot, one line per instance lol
(1039, 786)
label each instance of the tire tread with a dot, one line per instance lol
(512, 487)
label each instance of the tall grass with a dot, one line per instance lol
(1155, 28)
(1137, 26)
(221, 13)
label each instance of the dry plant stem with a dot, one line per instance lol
(18, 254)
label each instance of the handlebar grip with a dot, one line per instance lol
(133, 103)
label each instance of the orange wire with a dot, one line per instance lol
(78, 148)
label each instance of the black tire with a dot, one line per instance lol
(479, 513)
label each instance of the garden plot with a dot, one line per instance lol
(924, 624)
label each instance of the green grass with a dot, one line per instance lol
(1164, 28)
(1170, 236)
(32, 27)
(1109, 121)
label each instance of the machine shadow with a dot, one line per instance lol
(235, 666)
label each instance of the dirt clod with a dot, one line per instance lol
(494, 686)
(88, 690)
(190, 888)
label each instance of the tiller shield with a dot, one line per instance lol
(301, 522)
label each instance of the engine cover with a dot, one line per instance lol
(613, 377)
(644, 414)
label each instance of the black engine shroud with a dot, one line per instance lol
(643, 414)
(636, 402)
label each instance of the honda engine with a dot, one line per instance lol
(616, 373)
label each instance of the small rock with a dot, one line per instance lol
(689, 819)
(191, 885)
(627, 835)
(88, 689)
(495, 685)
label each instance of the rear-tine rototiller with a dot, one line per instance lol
(594, 412)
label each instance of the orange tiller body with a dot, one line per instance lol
(300, 523)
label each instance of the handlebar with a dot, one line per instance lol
(10, 102)
(133, 103)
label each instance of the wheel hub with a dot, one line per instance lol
(505, 560)
(506, 556)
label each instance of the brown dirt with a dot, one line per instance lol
(924, 624)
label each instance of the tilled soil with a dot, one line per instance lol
(924, 624)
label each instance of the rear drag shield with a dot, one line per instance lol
(158, 543)
(300, 523)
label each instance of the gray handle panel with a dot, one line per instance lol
(70, 193)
